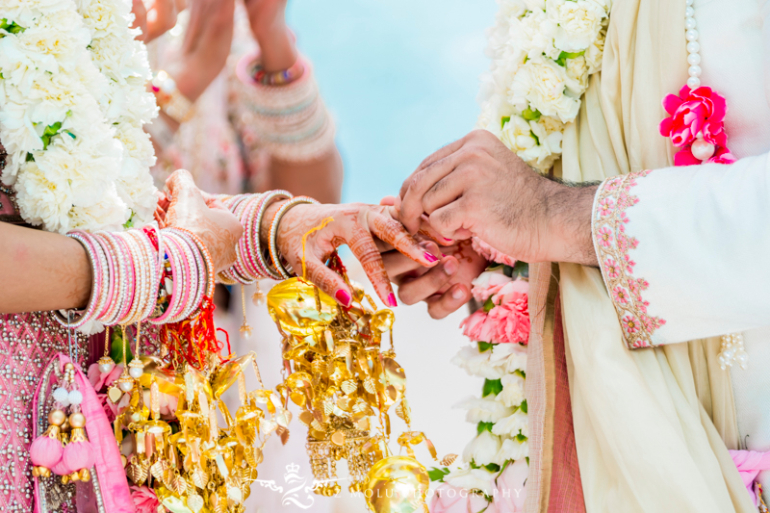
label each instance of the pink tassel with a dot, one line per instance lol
(78, 455)
(60, 469)
(46, 452)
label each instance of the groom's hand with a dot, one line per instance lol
(478, 187)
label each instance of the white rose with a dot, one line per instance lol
(542, 83)
(579, 23)
(509, 358)
(513, 390)
(495, 277)
(476, 363)
(479, 479)
(512, 425)
(482, 449)
(512, 450)
(534, 35)
(483, 410)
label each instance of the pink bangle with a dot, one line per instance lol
(177, 280)
(88, 314)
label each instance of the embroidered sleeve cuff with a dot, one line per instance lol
(613, 247)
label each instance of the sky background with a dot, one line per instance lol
(400, 77)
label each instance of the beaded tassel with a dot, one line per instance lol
(732, 351)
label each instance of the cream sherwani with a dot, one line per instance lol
(699, 237)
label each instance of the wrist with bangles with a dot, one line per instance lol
(170, 100)
(254, 261)
(152, 275)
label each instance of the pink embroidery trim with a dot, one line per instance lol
(613, 246)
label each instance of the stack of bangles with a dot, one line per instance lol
(159, 276)
(253, 260)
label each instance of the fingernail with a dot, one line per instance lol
(392, 300)
(343, 297)
(430, 258)
(443, 255)
(447, 240)
(450, 267)
(458, 293)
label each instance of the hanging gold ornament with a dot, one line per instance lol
(398, 484)
(341, 379)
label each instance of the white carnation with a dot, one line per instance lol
(108, 214)
(518, 137)
(512, 450)
(44, 199)
(541, 84)
(595, 53)
(512, 425)
(508, 358)
(483, 409)
(534, 35)
(577, 76)
(482, 449)
(474, 479)
(513, 390)
(578, 21)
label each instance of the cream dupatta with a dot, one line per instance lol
(652, 426)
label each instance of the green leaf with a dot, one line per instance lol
(492, 387)
(492, 467)
(536, 138)
(504, 120)
(521, 373)
(531, 115)
(437, 474)
(1, 76)
(524, 406)
(484, 426)
(30, 157)
(563, 56)
(130, 223)
(489, 305)
(485, 346)
(521, 269)
(116, 347)
(11, 27)
(520, 437)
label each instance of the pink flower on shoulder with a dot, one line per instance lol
(145, 500)
(510, 492)
(491, 254)
(100, 379)
(696, 114)
(450, 499)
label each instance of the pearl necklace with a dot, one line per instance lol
(732, 349)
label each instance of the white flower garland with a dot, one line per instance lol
(73, 101)
(542, 52)
(501, 413)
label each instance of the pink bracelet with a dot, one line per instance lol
(88, 314)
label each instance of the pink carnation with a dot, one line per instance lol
(692, 114)
(450, 499)
(491, 254)
(510, 321)
(477, 328)
(101, 379)
(512, 291)
(145, 500)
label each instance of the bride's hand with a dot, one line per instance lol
(354, 225)
(185, 207)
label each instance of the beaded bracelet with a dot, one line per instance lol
(286, 272)
(278, 78)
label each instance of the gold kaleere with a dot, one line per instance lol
(345, 383)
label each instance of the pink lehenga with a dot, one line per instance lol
(28, 343)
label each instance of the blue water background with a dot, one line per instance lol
(399, 76)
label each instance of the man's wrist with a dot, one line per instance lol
(569, 213)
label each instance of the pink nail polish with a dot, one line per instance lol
(430, 258)
(392, 300)
(343, 297)
(447, 240)
(443, 255)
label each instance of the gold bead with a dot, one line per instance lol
(65, 479)
(35, 472)
(57, 417)
(77, 420)
(74, 477)
(85, 475)
(44, 472)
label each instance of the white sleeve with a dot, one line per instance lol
(684, 251)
